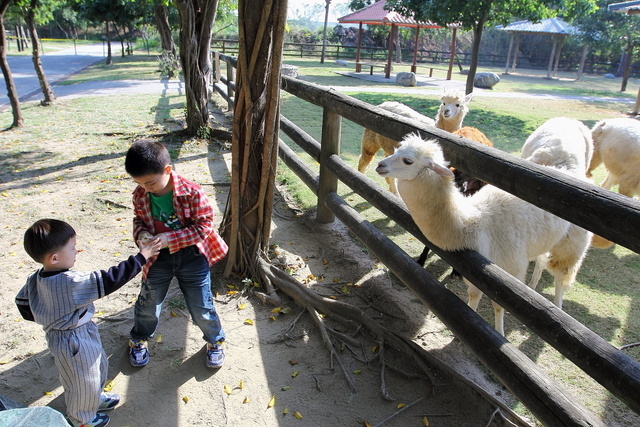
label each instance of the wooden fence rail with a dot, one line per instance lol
(608, 214)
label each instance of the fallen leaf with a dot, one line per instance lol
(241, 385)
(357, 372)
(185, 399)
(297, 414)
(401, 405)
(286, 310)
(159, 338)
(48, 393)
(273, 318)
(242, 306)
(246, 399)
(108, 386)
(228, 389)
(285, 411)
(285, 388)
(295, 374)
(248, 322)
(276, 310)
(173, 314)
(293, 362)
(272, 402)
(425, 422)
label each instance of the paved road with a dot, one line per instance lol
(57, 66)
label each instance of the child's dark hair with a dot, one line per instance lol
(146, 157)
(46, 236)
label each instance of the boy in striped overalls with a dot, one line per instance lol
(62, 302)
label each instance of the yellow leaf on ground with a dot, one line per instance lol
(242, 306)
(357, 371)
(285, 388)
(159, 338)
(246, 400)
(295, 374)
(285, 411)
(272, 402)
(401, 405)
(425, 422)
(228, 389)
(48, 393)
(108, 386)
(185, 399)
(248, 322)
(298, 415)
(241, 385)
(276, 310)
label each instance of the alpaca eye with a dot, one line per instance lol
(457, 105)
(407, 161)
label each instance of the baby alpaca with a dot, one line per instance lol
(505, 229)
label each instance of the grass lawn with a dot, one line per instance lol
(606, 296)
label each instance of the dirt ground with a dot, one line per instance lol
(278, 371)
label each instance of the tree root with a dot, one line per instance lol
(352, 316)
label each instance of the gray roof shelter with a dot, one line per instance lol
(554, 27)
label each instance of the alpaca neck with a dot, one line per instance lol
(451, 124)
(439, 210)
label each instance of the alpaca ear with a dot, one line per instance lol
(467, 98)
(441, 170)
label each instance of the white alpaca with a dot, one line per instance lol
(564, 144)
(505, 229)
(452, 111)
(372, 141)
(617, 145)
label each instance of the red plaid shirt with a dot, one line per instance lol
(195, 214)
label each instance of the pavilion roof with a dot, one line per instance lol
(628, 7)
(552, 26)
(376, 14)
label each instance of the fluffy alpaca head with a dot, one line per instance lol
(453, 104)
(413, 157)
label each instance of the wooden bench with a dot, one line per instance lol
(371, 66)
(429, 67)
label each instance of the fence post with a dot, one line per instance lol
(330, 144)
(230, 94)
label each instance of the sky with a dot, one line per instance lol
(314, 9)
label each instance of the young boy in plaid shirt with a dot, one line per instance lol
(175, 210)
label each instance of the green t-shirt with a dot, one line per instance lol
(163, 213)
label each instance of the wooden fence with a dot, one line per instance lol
(608, 214)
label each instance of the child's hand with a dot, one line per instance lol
(163, 239)
(150, 248)
(145, 236)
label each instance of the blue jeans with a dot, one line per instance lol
(191, 269)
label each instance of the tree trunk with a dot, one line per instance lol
(49, 96)
(627, 68)
(247, 221)
(108, 36)
(475, 53)
(12, 93)
(164, 29)
(196, 21)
